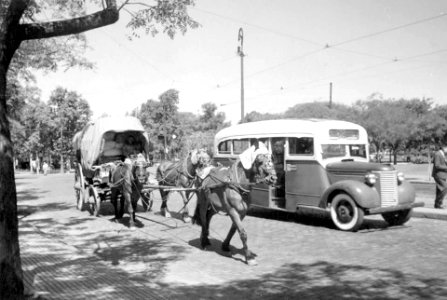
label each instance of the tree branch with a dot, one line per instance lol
(71, 26)
(122, 5)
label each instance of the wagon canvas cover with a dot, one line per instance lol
(98, 138)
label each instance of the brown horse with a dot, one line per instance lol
(181, 174)
(127, 179)
(227, 190)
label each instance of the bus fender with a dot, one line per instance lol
(407, 193)
(364, 195)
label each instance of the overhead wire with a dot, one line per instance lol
(344, 74)
(334, 46)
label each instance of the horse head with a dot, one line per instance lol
(200, 158)
(140, 171)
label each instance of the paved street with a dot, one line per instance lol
(68, 254)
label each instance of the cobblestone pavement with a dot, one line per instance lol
(69, 254)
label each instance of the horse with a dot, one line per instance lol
(182, 174)
(127, 179)
(226, 189)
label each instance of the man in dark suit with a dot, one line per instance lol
(439, 174)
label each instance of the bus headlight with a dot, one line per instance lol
(370, 179)
(400, 177)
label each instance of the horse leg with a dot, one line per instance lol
(208, 215)
(185, 213)
(114, 200)
(237, 213)
(127, 198)
(237, 222)
(122, 199)
(202, 217)
(134, 197)
(226, 243)
(164, 204)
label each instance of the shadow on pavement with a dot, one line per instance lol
(321, 280)
(99, 276)
(216, 246)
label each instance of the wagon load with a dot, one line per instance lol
(109, 139)
(100, 148)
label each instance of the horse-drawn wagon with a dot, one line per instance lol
(99, 148)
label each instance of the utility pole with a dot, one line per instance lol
(240, 52)
(330, 95)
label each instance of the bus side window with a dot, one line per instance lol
(224, 147)
(240, 146)
(301, 146)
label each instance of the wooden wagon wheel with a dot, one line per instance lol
(93, 200)
(79, 187)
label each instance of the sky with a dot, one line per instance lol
(293, 50)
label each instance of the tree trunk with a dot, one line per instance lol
(12, 33)
(11, 275)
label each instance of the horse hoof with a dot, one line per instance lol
(205, 244)
(166, 213)
(252, 262)
(187, 219)
(206, 247)
(132, 227)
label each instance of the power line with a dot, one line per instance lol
(343, 74)
(324, 46)
(259, 27)
(441, 15)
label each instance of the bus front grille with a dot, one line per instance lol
(388, 188)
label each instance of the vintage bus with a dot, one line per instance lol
(321, 165)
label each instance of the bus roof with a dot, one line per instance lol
(283, 127)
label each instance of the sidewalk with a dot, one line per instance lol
(428, 210)
(421, 175)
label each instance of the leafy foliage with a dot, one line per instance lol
(166, 16)
(412, 125)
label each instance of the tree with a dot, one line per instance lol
(210, 122)
(70, 114)
(17, 24)
(388, 123)
(160, 119)
(320, 110)
(254, 116)
(210, 119)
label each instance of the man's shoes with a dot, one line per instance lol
(440, 206)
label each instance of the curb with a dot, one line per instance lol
(430, 213)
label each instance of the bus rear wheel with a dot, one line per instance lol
(345, 213)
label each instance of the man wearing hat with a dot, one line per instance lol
(439, 174)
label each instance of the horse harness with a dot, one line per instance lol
(119, 183)
(180, 171)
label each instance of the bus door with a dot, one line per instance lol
(305, 178)
(272, 196)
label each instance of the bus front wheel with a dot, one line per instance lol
(345, 213)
